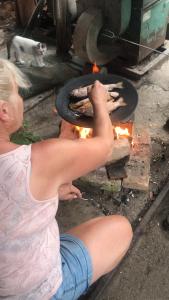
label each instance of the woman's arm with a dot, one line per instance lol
(62, 160)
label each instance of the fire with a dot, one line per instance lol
(95, 68)
(84, 133)
(121, 132)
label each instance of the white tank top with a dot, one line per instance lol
(30, 262)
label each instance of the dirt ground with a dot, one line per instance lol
(144, 273)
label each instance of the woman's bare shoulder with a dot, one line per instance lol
(52, 142)
(46, 146)
(43, 157)
(50, 156)
(50, 148)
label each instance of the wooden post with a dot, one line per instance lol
(24, 10)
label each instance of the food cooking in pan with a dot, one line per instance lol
(84, 106)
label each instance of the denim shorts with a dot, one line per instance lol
(76, 268)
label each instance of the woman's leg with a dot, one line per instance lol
(107, 240)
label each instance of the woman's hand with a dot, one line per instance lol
(98, 94)
(69, 192)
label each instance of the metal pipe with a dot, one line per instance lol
(111, 35)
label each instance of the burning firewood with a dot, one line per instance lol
(83, 91)
(87, 109)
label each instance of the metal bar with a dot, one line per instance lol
(111, 35)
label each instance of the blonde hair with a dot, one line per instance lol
(9, 74)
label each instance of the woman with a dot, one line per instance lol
(35, 261)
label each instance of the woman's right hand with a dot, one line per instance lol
(98, 94)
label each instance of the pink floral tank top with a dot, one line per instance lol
(30, 262)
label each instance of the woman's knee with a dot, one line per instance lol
(126, 226)
(122, 227)
(114, 238)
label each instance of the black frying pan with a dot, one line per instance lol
(63, 99)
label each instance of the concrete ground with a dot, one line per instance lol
(144, 273)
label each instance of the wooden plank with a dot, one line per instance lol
(24, 10)
(117, 169)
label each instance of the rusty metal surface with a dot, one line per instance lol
(136, 54)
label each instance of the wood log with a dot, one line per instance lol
(116, 170)
(83, 91)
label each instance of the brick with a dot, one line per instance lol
(121, 149)
(138, 167)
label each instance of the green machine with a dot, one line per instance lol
(143, 22)
(148, 25)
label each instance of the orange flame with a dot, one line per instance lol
(95, 69)
(121, 132)
(84, 133)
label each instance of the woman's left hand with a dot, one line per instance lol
(69, 192)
